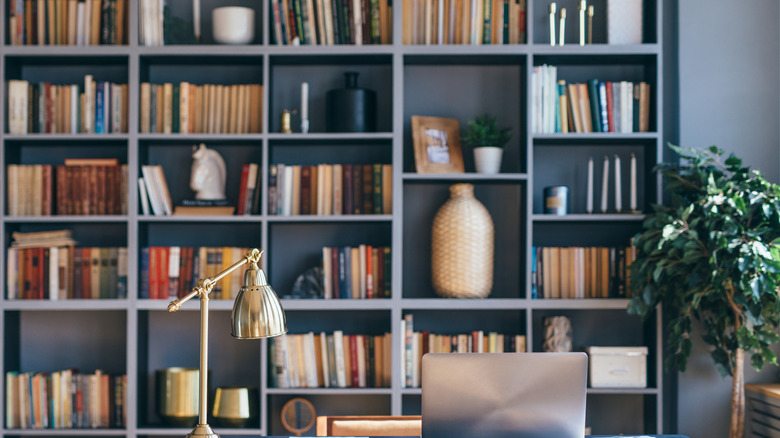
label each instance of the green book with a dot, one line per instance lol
(377, 191)
(593, 90)
(175, 110)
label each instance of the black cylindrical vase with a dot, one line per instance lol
(351, 109)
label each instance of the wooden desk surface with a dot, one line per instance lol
(768, 389)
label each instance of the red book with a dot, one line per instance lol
(610, 116)
(353, 359)
(357, 189)
(306, 190)
(163, 259)
(242, 189)
(369, 273)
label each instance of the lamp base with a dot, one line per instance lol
(202, 431)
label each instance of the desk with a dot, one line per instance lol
(763, 410)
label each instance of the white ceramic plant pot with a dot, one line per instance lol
(488, 159)
(233, 25)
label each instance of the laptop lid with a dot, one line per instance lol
(497, 395)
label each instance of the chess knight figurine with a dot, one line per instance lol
(208, 173)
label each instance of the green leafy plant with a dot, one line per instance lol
(712, 254)
(484, 131)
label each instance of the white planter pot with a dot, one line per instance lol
(487, 159)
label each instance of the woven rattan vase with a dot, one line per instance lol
(462, 246)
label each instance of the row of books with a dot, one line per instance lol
(65, 399)
(329, 22)
(170, 272)
(98, 107)
(416, 343)
(335, 360)
(201, 109)
(66, 272)
(464, 22)
(581, 272)
(356, 272)
(249, 190)
(79, 187)
(593, 106)
(67, 22)
(330, 189)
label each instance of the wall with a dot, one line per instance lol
(729, 96)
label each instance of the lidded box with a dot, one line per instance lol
(624, 367)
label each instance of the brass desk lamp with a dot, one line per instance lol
(257, 313)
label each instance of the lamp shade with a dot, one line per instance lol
(257, 311)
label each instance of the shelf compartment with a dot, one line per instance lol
(52, 340)
(324, 73)
(602, 327)
(474, 85)
(245, 235)
(328, 404)
(172, 154)
(183, 11)
(505, 201)
(194, 68)
(567, 165)
(638, 413)
(158, 330)
(596, 217)
(297, 247)
(317, 151)
(65, 433)
(463, 321)
(470, 176)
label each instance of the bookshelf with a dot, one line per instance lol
(136, 337)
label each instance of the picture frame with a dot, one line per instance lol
(437, 145)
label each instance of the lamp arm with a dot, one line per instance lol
(205, 285)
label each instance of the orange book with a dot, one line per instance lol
(584, 99)
(574, 106)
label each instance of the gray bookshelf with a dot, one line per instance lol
(136, 336)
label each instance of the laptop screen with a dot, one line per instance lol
(498, 395)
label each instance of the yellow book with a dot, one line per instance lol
(355, 272)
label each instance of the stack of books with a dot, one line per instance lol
(330, 189)
(581, 272)
(464, 22)
(99, 107)
(201, 109)
(65, 399)
(592, 106)
(67, 22)
(330, 361)
(153, 190)
(329, 22)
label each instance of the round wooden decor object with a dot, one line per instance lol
(298, 415)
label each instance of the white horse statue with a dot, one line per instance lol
(208, 173)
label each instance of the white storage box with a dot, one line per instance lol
(624, 367)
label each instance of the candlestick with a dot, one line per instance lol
(196, 19)
(618, 194)
(604, 183)
(589, 203)
(582, 8)
(632, 176)
(552, 23)
(562, 27)
(590, 24)
(305, 107)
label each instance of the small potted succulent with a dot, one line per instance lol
(488, 141)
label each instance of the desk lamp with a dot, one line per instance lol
(257, 313)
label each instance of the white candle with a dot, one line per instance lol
(196, 18)
(589, 204)
(633, 183)
(305, 101)
(618, 194)
(604, 183)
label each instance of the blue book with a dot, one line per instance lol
(100, 127)
(534, 292)
(143, 283)
(603, 107)
(346, 291)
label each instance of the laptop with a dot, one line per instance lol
(500, 395)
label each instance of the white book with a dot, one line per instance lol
(79, 23)
(311, 360)
(160, 7)
(320, 189)
(287, 199)
(440, 30)
(362, 267)
(54, 265)
(89, 104)
(12, 269)
(325, 367)
(402, 354)
(74, 109)
(338, 346)
(328, 194)
(361, 360)
(357, 22)
(155, 199)
(616, 107)
(174, 260)
(17, 106)
(142, 191)
(162, 189)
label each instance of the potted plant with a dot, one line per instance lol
(488, 141)
(712, 254)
